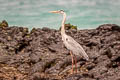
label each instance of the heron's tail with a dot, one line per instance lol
(84, 54)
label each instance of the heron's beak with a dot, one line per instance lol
(54, 11)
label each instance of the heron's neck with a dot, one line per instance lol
(63, 24)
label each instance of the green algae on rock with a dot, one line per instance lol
(3, 24)
(70, 26)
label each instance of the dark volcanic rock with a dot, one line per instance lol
(41, 55)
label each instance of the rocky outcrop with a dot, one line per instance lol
(41, 55)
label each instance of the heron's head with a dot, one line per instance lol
(59, 11)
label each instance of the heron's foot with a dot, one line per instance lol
(70, 71)
(83, 69)
(73, 71)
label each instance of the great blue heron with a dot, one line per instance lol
(74, 47)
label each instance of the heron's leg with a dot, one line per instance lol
(72, 60)
(76, 64)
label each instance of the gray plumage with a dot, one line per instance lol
(74, 46)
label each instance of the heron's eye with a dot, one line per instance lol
(62, 10)
(66, 39)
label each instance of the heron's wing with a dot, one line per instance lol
(76, 47)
